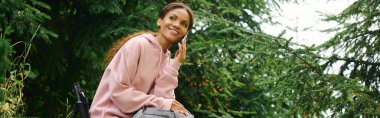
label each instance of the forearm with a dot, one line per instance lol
(168, 81)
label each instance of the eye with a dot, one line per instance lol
(172, 18)
(184, 24)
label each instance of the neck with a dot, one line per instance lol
(165, 44)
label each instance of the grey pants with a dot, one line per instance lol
(152, 112)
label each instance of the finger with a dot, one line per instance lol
(175, 108)
(179, 109)
(178, 52)
(184, 113)
(179, 104)
(184, 50)
(179, 47)
(181, 50)
(182, 108)
(184, 46)
(184, 42)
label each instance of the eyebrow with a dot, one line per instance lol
(178, 17)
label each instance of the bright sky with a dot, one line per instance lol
(305, 15)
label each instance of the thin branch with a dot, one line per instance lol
(352, 60)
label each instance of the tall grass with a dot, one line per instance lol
(14, 75)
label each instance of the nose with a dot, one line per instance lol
(176, 24)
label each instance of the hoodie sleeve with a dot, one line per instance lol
(122, 72)
(167, 82)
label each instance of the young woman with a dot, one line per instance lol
(141, 72)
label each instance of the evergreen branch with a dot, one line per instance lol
(286, 47)
(291, 51)
(335, 57)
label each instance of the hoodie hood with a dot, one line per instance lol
(154, 42)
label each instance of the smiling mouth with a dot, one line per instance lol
(172, 31)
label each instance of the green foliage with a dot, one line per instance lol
(356, 45)
(221, 51)
(5, 63)
(19, 26)
(86, 30)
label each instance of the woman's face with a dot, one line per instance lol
(174, 25)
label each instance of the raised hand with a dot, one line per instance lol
(180, 54)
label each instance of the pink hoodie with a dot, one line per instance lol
(140, 74)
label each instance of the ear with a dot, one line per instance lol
(159, 21)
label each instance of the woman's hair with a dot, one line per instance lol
(120, 42)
